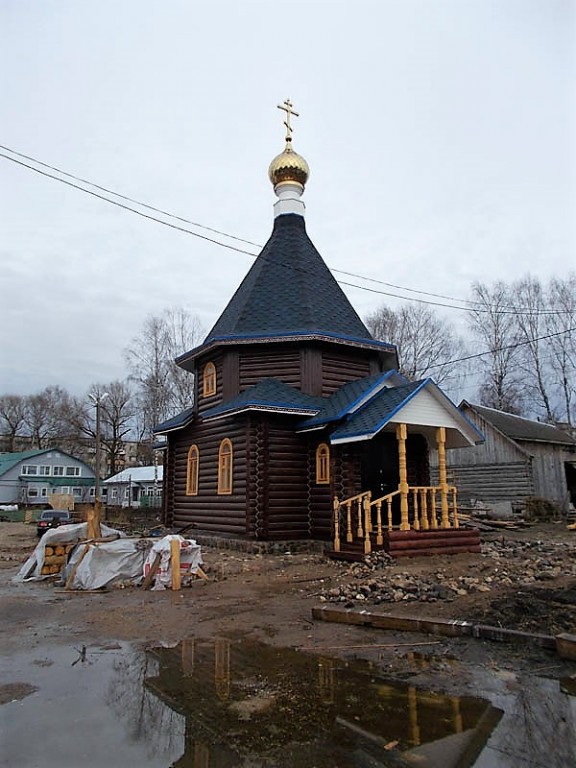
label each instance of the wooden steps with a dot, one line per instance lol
(451, 541)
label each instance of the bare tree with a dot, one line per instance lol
(12, 417)
(530, 306)
(117, 419)
(494, 328)
(162, 387)
(425, 341)
(561, 325)
(45, 416)
(117, 411)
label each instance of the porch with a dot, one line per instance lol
(411, 520)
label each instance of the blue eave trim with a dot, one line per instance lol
(293, 410)
(286, 336)
(382, 423)
(367, 395)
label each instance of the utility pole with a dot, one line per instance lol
(94, 531)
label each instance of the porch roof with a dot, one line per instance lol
(419, 403)
(350, 397)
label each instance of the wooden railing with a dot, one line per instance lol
(422, 507)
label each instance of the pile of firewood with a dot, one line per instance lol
(55, 558)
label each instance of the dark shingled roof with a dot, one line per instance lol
(289, 289)
(373, 416)
(268, 394)
(176, 422)
(344, 399)
(519, 428)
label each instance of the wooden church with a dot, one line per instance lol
(301, 426)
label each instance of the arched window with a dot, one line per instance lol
(192, 471)
(209, 380)
(225, 467)
(322, 464)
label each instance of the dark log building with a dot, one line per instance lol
(301, 427)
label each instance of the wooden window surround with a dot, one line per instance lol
(322, 464)
(209, 380)
(225, 459)
(192, 471)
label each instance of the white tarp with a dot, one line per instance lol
(103, 563)
(190, 560)
(64, 534)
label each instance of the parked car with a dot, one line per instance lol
(52, 518)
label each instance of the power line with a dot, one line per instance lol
(503, 348)
(127, 207)
(125, 197)
(212, 229)
(477, 308)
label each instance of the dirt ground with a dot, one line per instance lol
(524, 579)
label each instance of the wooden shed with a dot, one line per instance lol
(520, 458)
(301, 427)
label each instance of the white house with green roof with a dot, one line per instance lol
(32, 477)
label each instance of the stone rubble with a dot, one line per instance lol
(502, 563)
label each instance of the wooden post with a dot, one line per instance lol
(441, 441)
(336, 507)
(379, 536)
(349, 534)
(424, 510)
(367, 525)
(93, 519)
(359, 512)
(455, 521)
(416, 521)
(175, 564)
(401, 434)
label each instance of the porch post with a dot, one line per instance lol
(401, 435)
(441, 441)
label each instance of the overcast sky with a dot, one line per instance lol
(439, 134)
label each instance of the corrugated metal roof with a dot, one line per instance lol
(520, 428)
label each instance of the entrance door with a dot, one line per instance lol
(380, 471)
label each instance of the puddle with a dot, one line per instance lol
(221, 703)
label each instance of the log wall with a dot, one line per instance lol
(340, 367)
(209, 511)
(491, 482)
(279, 362)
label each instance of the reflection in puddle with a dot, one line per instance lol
(221, 704)
(246, 703)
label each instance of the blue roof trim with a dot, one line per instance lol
(179, 421)
(268, 394)
(285, 336)
(349, 432)
(369, 388)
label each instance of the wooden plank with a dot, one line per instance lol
(72, 573)
(148, 579)
(175, 564)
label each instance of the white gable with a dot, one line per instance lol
(425, 409)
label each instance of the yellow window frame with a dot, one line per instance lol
(323, 464)
(225, 467)
(209, 380)
(192, 471)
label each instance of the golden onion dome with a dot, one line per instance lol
(288, 166)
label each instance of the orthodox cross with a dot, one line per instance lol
(287, 107)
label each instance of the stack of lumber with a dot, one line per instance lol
(55, 558)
